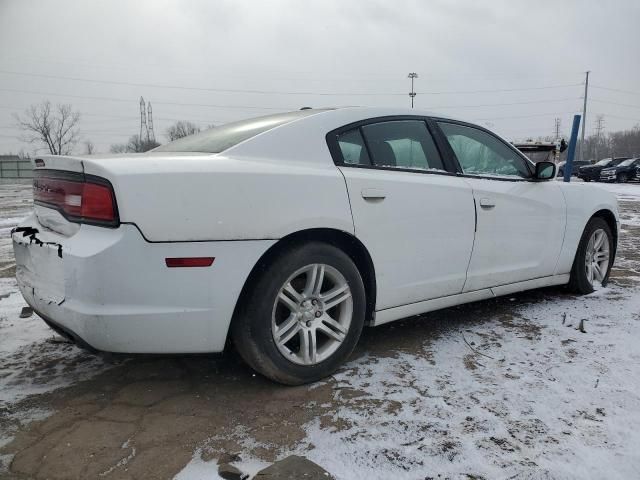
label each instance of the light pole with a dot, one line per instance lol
(412, 94)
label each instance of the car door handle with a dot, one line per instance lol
(487, 204)
(373, 194)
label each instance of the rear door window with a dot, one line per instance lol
(405, 144)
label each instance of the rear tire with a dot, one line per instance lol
(594, 258)
(303, 316)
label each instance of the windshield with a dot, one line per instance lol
(603, 162)
(219, 139)
(626, 163)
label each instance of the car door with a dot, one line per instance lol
(520, 222)
(415, 218)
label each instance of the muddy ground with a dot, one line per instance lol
(146, 417)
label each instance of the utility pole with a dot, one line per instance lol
(599, 128)
(584, 113)
(412, 94)
(556, 140)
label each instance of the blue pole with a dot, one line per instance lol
(568, 167)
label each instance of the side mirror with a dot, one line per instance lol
(545, 171)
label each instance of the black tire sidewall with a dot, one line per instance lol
(256, 317)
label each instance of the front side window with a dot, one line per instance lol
(402, 144)
(480, 153)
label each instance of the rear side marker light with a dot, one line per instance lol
(189, 262)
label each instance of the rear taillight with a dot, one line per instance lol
(80, 198)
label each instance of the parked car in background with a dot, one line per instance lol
(622, 172)
(637, 176)
(287, 234)
(592, 172)
(576, 166)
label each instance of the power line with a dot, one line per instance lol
(274, 92)
(501, 89)
(128, 100)
(505, 104)
(616, 103)
(630, 92)
(526, 116)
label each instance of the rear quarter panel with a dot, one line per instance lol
(217, 197)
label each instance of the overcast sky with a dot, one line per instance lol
(512, 65)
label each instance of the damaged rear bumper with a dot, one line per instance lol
(110, 289)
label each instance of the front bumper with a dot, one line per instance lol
(608, 177)
(589, 175)
(111, 289)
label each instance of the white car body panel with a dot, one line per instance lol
(419, 236)
(112, 289)
(518, 238)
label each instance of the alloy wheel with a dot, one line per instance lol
(597, 257)
(312, 314)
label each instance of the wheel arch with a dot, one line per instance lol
(609, 217)
(346, 242)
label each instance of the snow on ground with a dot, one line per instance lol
(33, 358)
(626, 192)
(539, 399)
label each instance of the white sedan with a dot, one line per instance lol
(287, 234)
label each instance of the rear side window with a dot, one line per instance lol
(219, 139)
(402, 144)
(353, 149)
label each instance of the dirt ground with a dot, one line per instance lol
(146, 417)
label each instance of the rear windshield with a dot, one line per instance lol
(218, 139)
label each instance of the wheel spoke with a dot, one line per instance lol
(315, 278)
(599, 239)
(336, 296)
(332, 328)
(308, 346)
(285, 298)
(590, 272)
(287, 329)
(597, 272)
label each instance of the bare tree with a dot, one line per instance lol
(134, 145)
(89, 147)
(56, 128)
(181, 129)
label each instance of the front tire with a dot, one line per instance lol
(303, 316)
(622, 178)
(594, 258)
